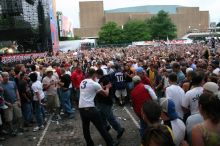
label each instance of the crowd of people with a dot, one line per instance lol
(174, 91)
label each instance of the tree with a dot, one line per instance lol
(161, 26)
(110, 33)
(136, 30)
(218, 25)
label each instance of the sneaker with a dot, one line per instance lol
(120, 133)
(5, 132)
(38, 128)
(41, 127)
(2, 138)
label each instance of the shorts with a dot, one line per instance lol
(53, 101)
(10, 112)
(121, 93)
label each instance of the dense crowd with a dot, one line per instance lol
(174, 91)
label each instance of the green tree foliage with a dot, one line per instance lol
(218, 25)
(158, 27)
(161, 26)
(110, 33)
(136, 30)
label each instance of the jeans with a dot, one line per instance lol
(143, 127)
(108, 116)
(39, 113)
(27, 110)
(92, 115)
(66, 102)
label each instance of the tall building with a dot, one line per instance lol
(28, 22)
(93, 16)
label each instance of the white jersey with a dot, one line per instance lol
(88, 90)
(190, 101)
(176, 93)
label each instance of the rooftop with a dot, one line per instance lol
(153, 9)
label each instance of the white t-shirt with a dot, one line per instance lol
(190, 122)
(37, 87)
(178, 128)
(88, 90)
(216, 71)
(176, 93)
(104, 69)
(190, 100)
(52, 90)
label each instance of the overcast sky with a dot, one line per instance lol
(70, 8)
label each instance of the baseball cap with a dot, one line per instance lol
(211, 87)
(139, 69)
(168, 107)
(136, 79)
(189, 69)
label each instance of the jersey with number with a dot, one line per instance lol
(118, 80)
(88, 90)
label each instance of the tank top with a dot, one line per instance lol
(210, 138)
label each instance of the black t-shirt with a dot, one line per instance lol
(101, 98)
(24, 90)
(66, 79)
(127, 78)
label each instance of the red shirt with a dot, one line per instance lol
(145, 80)
(76, 78)
(139, 95)
(58, 72)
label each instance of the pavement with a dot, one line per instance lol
(68, 132)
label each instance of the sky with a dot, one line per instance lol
(70, 8)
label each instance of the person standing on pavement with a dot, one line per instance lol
(140, 94)
(50, 87)
(12, 100)
(119, 84)
(104, 104)
(88, 112)
(26, 99)
(65, 94)
(37, 100)
(76, 78)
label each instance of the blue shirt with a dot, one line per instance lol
(180, 77)
(9, 91)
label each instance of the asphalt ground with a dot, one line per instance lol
(68, 132)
